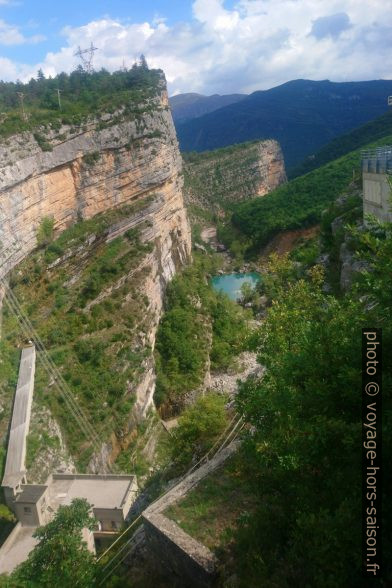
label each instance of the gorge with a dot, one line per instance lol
(116, 173)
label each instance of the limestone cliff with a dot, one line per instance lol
(101, 165)
(231, 174)
(110, 163)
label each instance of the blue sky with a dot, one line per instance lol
(207, 46)
(49, 18)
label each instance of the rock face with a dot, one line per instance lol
(234, 173)
(90, 169)
(108, 162)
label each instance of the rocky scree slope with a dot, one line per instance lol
(109, 193)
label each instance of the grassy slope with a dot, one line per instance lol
(204, 512)
(94, 348)
(296, 204)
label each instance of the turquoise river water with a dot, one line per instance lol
(231, 284)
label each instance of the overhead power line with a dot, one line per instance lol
(87, 56)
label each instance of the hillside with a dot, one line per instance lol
(81, 95)
(371, 131)
(190, 105)
(214, 180)
(302, 115)
(297, 204)
(93, 228)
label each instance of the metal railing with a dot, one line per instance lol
(378, 160)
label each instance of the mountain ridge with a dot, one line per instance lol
(191, 105)
(317, 112)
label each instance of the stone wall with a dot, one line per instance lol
(188, 561)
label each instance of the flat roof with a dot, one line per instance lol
(31, 493)
(100, 491)
(16, 548)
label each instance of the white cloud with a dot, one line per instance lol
(11, 35)
(255, 45)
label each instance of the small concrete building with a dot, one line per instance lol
(111, 496)
(34, 505)
(376, 169)
(31, 505)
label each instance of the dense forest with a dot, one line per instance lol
(371, 131)
(302, 453)
(294, 205)
(81, 94)
(303, 115)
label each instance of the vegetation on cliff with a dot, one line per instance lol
(215, 180)
(199, 325)
(82, 295)
(299, 203)
(304, 451)
(81, 95)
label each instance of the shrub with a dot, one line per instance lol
(199, 427)
(91, 158)
(45, 231)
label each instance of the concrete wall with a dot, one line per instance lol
(88, 537)
(15, 468)
(27, 513)
(190, 562)
(377, 196)
(33, 514)
(130, 497)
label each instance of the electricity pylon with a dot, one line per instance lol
(86, 57)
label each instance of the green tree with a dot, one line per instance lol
(45, 231)
(61, 557)
(199, 427)
(143, 62)
(305, 415)
(247, 293)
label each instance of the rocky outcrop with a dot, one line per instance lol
(101, 165)
(350, 266)
(234, 173)
(109, 162)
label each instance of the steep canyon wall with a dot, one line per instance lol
(107, 163)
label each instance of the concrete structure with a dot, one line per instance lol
(15, 468)
(376, 167)
(192, 563)
(110, 496)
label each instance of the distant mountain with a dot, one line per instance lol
(302, 115)
(187, 106)
(371, 131)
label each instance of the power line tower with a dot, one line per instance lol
(21, 98)
(58, 96)
(86, 57)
